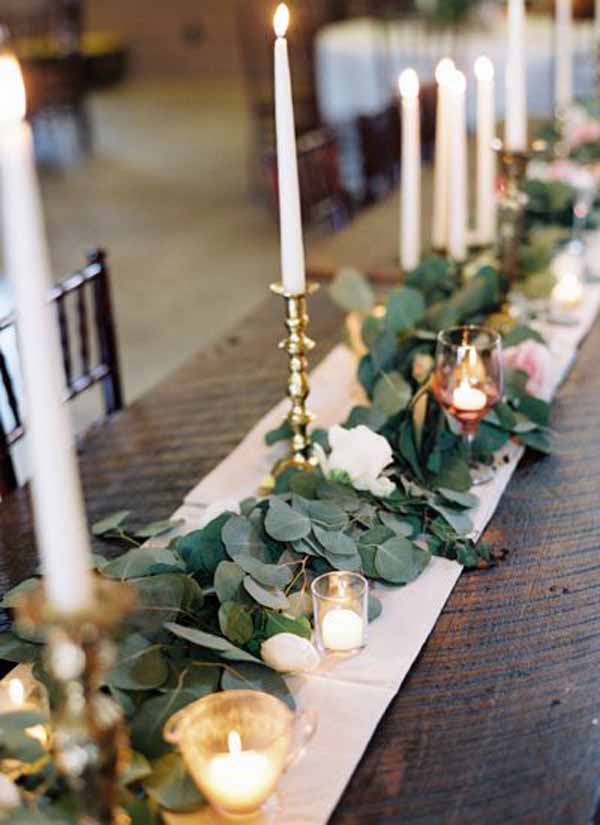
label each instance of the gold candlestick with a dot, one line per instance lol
(511, 211)
(89, 739)
(513, 205)
(297, 345)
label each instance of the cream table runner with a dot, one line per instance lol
(353, 694)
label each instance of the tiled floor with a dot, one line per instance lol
(166, 192)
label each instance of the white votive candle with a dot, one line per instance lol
(60, 524)
(467, 398)
(293, 271)
(342, 630)
(239, 781)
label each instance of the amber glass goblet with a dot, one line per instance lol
(468, 381)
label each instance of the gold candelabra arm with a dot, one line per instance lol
(297, 345)
(89, 741)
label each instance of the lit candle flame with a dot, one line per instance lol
(409, 83)
(234, 742)
(12, 90)
(281, 20)
(39, 733)
(484, 68)
(445, 69)
(16, 691)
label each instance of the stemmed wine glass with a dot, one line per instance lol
(468, 381)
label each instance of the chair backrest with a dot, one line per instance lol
(59, 20)
(379, 136)
(95, 362)
(323, 198)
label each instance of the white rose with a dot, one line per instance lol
(9, 794)
(288, 653)
(216, 509)
(362, 455)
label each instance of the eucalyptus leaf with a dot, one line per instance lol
(210, 642)
(457, 519)
(466, 500)
(257, 677)
(158, 599)
(405, 308)
(137, 562)
(228, 580)
(139, 665)
(171, 786)
(147, 725)
(374, 608)
(283, 523)
(158, 528)
(241, 536)
(236, 623)
(110, 523)
(203, 550)
(270, 575)
(300, 604)
(396, 525)
(398, 561)
(13, 649)
(335, 542)
(11, 597)
(280, 623)
(351, 291)
(136, 769)
(392, 393)
(266, 596)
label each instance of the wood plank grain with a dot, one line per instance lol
(499, 720)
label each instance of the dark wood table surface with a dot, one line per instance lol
(499, 720)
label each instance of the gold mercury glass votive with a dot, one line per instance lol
(340, 608)
(236, 745)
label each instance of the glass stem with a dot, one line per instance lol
(468, 440)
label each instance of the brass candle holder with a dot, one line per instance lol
(88, 740)
(513, 204)
(297, 344)
(511, 209)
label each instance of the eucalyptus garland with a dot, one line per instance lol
(208, 600)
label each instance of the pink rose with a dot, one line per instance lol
(534, 359)
(588, 132)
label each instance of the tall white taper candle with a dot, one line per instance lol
(563, 63)
(486, 156)
(515, 136)
(293, 270)
(439, 232)
(457, 200)
(60, 524)
(410, 191)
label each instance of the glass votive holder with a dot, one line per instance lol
(340, 610)
(568, 269)
(236, 744)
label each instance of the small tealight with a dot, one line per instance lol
(568, 291)
(340, 604)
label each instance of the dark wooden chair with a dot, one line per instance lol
(89, 295)
(379, 136)
(324, 202)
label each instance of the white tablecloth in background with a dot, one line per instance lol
(358, 63)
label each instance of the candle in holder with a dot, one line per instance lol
(340, 601)
(457, 195)
(410, 190)
(515, 136)
(467, 382)
(486, 156)
(239, 779)
(236, 744)
(439, 233)
(293, 270)
(568, 268)
(563, 62)
(60, 524)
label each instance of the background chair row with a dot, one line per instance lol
(84, 315)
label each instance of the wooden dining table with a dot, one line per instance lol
(499, 719)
